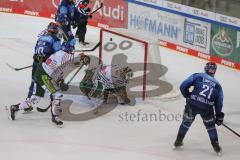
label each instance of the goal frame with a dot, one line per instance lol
(134, 39)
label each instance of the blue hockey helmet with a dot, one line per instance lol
(67, 47)
(210, 68)
(53, 28)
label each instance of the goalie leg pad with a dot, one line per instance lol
(122, 95)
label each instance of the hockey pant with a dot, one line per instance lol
(81, 29)
(34, 87)
(207, 116)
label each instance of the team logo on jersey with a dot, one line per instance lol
(222, 43)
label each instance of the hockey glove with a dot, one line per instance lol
(87, 10)
(219, 118)
(63, 86)
(89, 16)
(38, 58)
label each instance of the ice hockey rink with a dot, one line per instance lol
(109, 137)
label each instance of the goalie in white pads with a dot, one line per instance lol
(105, 80)
(49, 75)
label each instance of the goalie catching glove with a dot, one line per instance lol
(84, 59)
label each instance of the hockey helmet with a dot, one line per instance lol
(53, 28)
(210, 68)
(82, 3)
(69, 1)
(67, 47)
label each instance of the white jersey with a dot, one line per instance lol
(110, 76)
(57, 63)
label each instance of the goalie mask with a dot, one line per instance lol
(210, 68)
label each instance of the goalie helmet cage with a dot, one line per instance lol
(119, 46)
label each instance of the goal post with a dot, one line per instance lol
(141, 54)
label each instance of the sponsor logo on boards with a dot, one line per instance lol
(195, 34)
(222, 43)
(32, 13)
(3, 9)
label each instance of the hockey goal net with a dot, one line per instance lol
(142, 55)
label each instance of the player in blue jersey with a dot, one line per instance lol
(205, 99)
(65, 17)
(48, 43)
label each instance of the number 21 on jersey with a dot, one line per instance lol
(207, 91)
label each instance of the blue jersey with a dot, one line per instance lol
(47, 45)
(207, 92)
(65, 12)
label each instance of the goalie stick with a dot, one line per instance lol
(46, 109)
(18, 69)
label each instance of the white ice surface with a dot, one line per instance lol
(33, 137)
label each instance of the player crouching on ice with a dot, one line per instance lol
(206, 96)
(105, 80)
(49, 75)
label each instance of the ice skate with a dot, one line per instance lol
(178, 144)
(57, 121)
(12, 111)
(82, 43)
(217, 148)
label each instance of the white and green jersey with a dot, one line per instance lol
(110, 76)
(56, 65)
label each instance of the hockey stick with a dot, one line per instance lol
(46, 109)
(96, 9)
(18, 69)
(89, 50)
(230, 129)
(84, 50)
